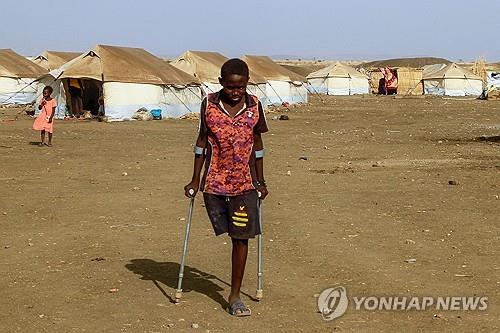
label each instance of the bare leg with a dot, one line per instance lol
(239, 259)
(50, 139)
(42, 137)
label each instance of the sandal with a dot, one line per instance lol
(238, 309)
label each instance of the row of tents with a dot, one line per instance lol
(437, 79)
(124, 79)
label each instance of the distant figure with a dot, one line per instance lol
(45, 120)
(75, 90)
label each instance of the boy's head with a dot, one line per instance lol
(47, 91)
(234, 75)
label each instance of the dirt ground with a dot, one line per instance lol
(92, 228)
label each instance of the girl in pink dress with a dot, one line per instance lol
(45, 120)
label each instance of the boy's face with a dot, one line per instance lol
(234, 87)
(46, 93)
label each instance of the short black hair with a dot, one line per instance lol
(234, 66)
(49, 88)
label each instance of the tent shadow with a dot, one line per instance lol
(166, 273)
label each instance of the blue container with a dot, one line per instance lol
(156, 113)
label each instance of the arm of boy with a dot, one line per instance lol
(259, 168)
(260, 127)
(192, 188)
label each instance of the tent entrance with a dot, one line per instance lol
(83, 95)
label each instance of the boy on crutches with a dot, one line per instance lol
(229, 140)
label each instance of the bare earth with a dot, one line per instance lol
(91, 229)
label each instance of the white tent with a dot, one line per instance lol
(17, 78)
(129, 79)
(451, 80)
(206, 67)
(338, 79)
(282, 84)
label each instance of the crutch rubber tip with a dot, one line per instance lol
(178, 296)
(259, 295)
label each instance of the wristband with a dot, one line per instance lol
(198, 150)
(259, 153)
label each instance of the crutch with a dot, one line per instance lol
(259, 292)
(178, 293)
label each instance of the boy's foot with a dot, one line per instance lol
(48, 144)
(238, 309)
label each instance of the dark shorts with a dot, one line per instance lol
(237, 215)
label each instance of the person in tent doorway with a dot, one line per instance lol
(76, 91)
(229, 143)
(45, 120)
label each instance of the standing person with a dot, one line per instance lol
(229, 140)
(75, 91)
(45, 120)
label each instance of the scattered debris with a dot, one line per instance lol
(191, 116)
(98, 259)
(411, 260)
(302, 158)
(284, 117)
(452, 182)
(195, 325)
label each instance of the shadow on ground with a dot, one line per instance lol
(493, 138)
(166, 273)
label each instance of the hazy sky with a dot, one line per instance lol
(353, 29)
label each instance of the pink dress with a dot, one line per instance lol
(41, 122)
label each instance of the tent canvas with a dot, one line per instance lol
(51, 60)
(17, 78)
(451, 80)
(131, 78)
(338, 79)
(206, 67)
(282, 85)
(493, 79)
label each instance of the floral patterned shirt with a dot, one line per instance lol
(230, 157)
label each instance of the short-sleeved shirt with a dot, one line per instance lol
(230, 157)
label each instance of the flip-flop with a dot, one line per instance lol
(238, 309)
(41, 144)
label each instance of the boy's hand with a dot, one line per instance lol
(191, 189)
(262, 189)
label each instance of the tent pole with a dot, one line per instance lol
(170, 88)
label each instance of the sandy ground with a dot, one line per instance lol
(92, 228)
